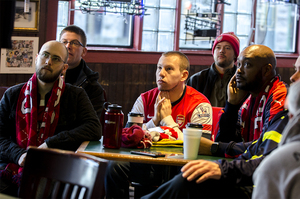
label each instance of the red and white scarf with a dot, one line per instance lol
(251, 118)
(27, 110)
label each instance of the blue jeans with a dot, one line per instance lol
(6, 186)
(179, 187)
(119, 175)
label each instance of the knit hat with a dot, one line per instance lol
(231, 38)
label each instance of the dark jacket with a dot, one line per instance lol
(77, 123)
(230, 123)
(250, 154)
(204, 80)
(88, 80)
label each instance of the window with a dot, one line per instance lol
(194, 26)
(159, 25)
(198, 24)
(62, 17)
(101, 28)
(237, 19)
(276, 25)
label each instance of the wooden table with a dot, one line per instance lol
(4, 196)
(174, 155)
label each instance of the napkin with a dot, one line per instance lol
(135, 137)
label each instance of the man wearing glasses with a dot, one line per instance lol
(43, 112)
(78, 73)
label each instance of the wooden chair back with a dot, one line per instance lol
(53, 173)
(102, 119)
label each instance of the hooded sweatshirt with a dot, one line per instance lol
(278, 176)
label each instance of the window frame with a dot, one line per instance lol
(135, 55)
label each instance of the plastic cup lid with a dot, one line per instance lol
(135, 114)
(194, 125)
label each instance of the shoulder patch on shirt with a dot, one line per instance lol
(203, 111)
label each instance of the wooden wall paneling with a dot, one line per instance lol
(285, 74)
(142, 78)
(104, 79)
(135, 92)
(119, 86)
(128, 97)
(151, 77)
(3, 80)
(112, 85)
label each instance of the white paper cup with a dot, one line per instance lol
(191, 143)
(134, 118)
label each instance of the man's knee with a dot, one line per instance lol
(8, 188)
(117, 169)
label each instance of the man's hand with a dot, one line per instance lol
(157, 106)
(21, 160)
(201, 169)
(43, 146)
(166, 108)
(235, 95)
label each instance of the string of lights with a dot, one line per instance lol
(133, 7)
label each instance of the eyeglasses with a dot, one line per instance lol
(55, 59)
(72, 43)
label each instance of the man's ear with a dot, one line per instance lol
(65, 68)
(267, 70)
(84, 51)
(184, 75)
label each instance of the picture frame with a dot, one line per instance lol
(27, 21)
(21, 58)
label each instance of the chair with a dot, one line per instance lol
(216, 116)
(102, 119)
(53, 173)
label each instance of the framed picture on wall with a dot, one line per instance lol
(27, 21)
(21, 58)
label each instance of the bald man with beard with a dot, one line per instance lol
(244, 120)
(43, 112)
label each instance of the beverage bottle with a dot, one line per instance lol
(113, 125)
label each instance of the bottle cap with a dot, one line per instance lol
(114, 106)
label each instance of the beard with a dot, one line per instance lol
(43, 75)
(223, 64)
(253, 85)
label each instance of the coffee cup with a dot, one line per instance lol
(191, 140)
(134, 118)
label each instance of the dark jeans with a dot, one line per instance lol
(6, 186)
(119, 175)
(179, 187)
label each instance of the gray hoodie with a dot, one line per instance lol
(278, 176)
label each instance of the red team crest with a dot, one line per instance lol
(180, 119)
